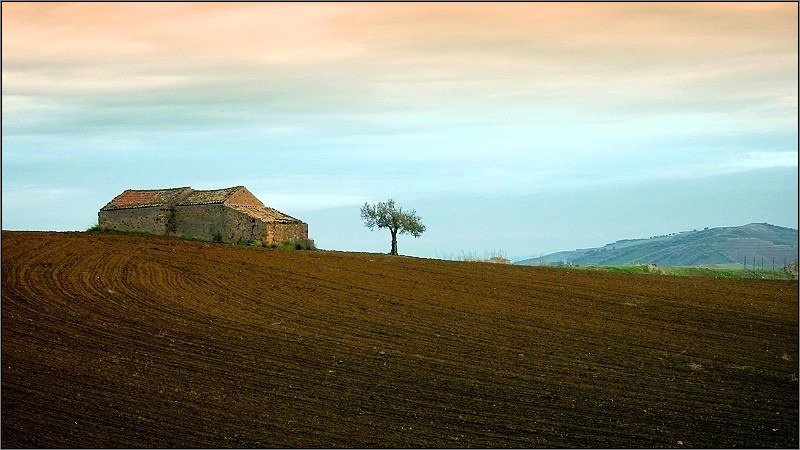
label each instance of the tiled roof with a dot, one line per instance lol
(265, 214)
(186, 196)
(208, 197)
(133, 198)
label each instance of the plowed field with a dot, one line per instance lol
(112, 340)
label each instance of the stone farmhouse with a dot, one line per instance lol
(221, 215)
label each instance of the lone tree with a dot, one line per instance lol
(387, 215)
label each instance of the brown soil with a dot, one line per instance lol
(112, 340)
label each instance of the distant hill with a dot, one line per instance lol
(711, 246)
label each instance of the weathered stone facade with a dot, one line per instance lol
(222, 215)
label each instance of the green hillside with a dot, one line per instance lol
(723, 246)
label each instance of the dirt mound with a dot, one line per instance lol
(113, 340)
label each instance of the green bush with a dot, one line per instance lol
(101, 229)
(303, 244)
(248, 242)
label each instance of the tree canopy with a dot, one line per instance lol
(388, 215)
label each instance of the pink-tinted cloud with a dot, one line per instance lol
(603, 34)
(427, 58)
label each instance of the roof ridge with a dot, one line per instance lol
(139, 198)
(155, 190)
(209, 196)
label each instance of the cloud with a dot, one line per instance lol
(172, 35)
(18, 195)
(433, 97)
(762, 160)
(420, 58)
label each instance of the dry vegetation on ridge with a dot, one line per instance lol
(113, 340)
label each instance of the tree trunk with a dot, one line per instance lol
(394, 241)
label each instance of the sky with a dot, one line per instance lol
(513, 128)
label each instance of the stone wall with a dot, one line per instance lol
(206, 222)
(278, 233)
(211, 222)
(148, 220)
(217, 222)
(243, 227)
